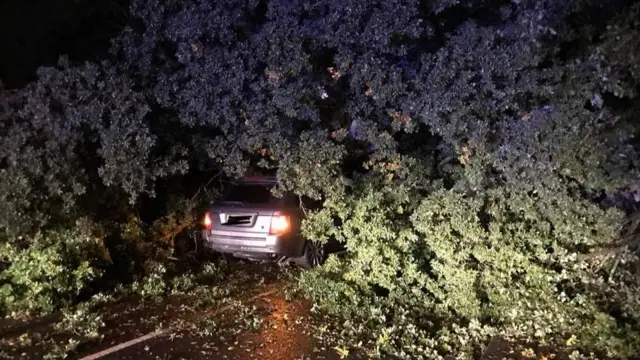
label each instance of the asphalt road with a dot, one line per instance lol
(255, 321)
(282, 334)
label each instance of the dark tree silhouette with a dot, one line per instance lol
(462, 150)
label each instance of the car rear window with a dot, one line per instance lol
(250, 194)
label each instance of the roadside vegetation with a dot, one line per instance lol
(479, 160)
(197, 305)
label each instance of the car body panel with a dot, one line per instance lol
(242, 228)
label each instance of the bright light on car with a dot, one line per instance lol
(279, 224)
(207, 221)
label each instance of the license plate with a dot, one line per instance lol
(240, 219)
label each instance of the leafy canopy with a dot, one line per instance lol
(462, 150)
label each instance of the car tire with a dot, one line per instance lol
(312, 256)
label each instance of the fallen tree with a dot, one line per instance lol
(479, 146)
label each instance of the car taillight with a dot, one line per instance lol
(207, 221)
(279, 224)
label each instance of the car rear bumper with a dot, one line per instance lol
(244, 246)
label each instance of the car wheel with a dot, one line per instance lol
(312, 256)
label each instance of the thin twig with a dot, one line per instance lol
(613, 269)
(304, 210)
(171, 236)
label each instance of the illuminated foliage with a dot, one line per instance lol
(469, 155)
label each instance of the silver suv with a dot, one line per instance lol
(250, 222)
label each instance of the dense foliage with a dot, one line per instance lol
(472, 156)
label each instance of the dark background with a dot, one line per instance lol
(36, 32)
